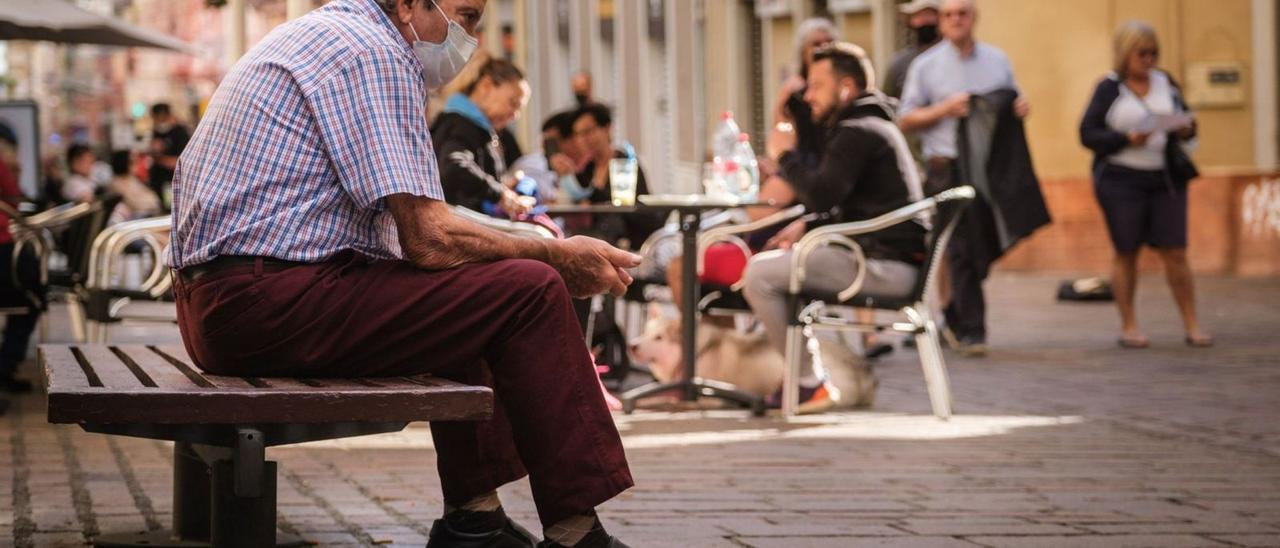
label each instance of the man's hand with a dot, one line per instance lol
(955, 106)
(791, 85)
(781, 140)
(561, 164)
(1021, 107)
(787, 237)
(1138, 138)
(590, 266)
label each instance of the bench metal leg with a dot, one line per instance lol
(219, 504)
(191, 494)
(243, 520)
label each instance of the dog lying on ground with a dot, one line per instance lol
(743, 359)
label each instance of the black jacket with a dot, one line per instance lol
(865, 171)
(472, 160)
(994, 158)
(1104, 141)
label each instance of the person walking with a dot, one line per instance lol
(935, 97)
(1138, 126)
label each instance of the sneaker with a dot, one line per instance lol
(812, 400)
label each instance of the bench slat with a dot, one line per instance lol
(110, 369)
(179, 353)
(196, 399)
(62, 371)
(165, 374)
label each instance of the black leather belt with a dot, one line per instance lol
(195, 272)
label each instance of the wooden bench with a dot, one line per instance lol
(224, 489)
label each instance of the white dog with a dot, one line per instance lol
(743, 359)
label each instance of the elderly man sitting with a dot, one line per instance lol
(311, 239)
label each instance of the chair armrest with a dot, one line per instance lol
(731, 233)
(110, 244)
(841, 234)
(62, 214)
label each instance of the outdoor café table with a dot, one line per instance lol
(689, 208)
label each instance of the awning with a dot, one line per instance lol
(61, 21)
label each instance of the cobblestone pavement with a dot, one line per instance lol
(1061, 439)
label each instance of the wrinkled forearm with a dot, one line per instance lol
(434, 238)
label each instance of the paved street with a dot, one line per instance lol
(1061, 439)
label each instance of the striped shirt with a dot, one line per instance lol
(302, 141)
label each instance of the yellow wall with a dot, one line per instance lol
(1060, 49)
(782, 61)
(856, 28)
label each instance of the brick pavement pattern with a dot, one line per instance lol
(1061, 439)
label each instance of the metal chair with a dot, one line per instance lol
(814, 312)
(33, 301)
(97, 303)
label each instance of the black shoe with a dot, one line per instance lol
(597, 538)
(973, 347)
(510, 535)
(14, 385)
(879, 349)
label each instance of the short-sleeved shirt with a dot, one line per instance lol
(303, 140)
(942, 71)
(1130, 112)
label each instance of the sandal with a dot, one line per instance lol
(1203, 341)
(1135, 342)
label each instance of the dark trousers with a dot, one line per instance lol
(509, 325)
(18, 327)
(966, 311)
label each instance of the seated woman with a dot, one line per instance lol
(473, 145)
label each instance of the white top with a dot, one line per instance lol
(1130, 112)
(942, 71)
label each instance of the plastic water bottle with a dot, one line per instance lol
(726, 137)
(747, 186)
(724, 164)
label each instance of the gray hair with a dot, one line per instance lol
(810, 26)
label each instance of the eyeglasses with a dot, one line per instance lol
(1148, 52)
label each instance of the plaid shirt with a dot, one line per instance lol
(302, 140)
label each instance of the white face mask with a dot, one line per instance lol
(442, 62)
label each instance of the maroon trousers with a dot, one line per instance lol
(509, 325)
